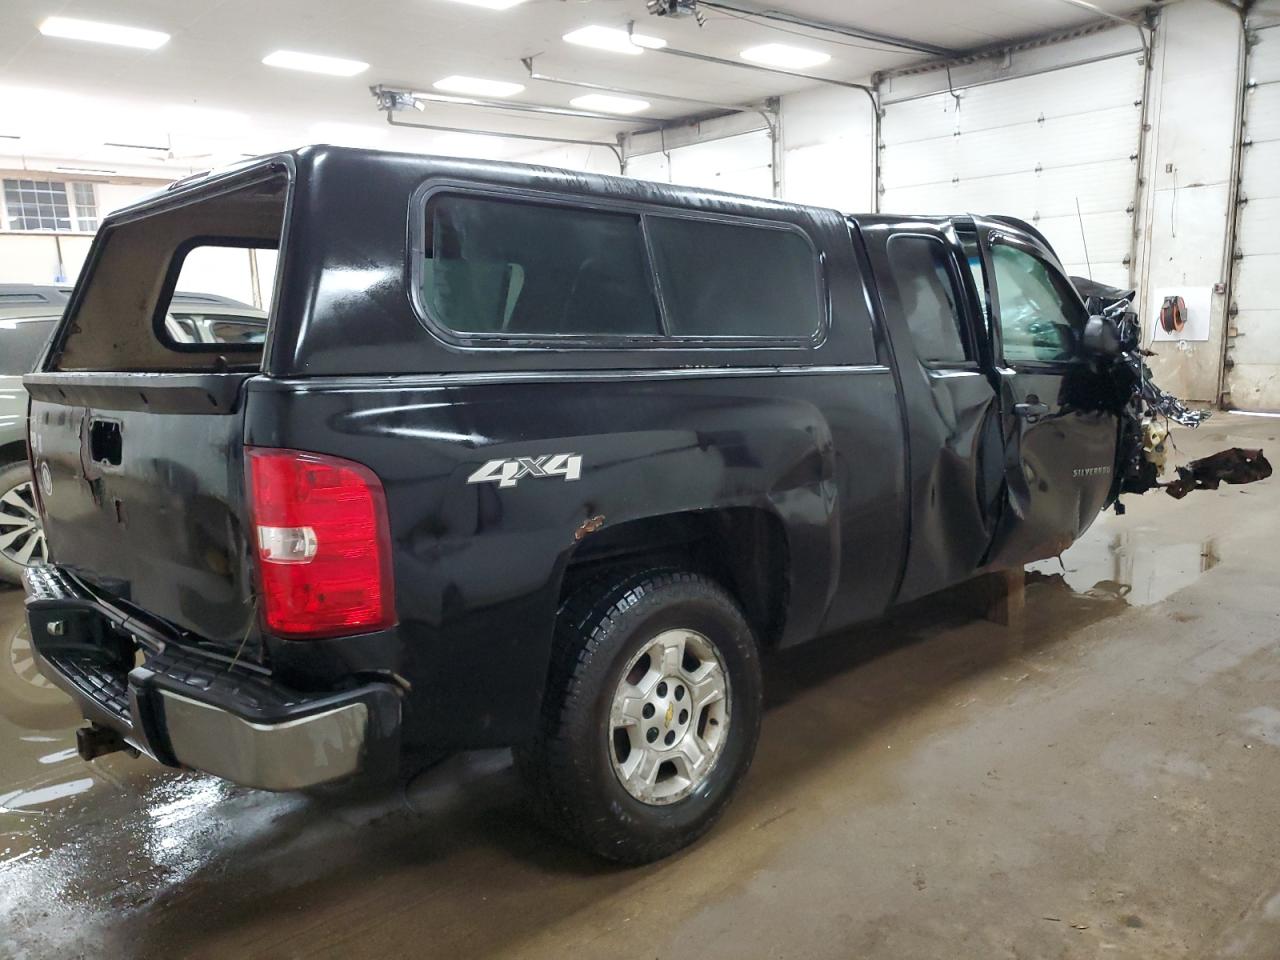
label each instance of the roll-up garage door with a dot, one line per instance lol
(1030, 147)
(1253, 375)
(737, 164)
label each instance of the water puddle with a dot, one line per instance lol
(1126, 565)
(25, 800)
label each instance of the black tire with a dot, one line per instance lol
(13, 476)
(569, 765)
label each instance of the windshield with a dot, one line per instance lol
(21, 340)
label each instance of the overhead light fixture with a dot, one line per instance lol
(785, 56)
(477, 86)
(613, 40)
(491, 4)
(610, 104)
(69, 28)
(315, 63)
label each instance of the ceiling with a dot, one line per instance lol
(206, 98)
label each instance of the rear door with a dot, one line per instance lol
(944, 362)
(1058, 411)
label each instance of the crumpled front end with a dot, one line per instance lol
(1143, 448)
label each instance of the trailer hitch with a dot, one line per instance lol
(96, 741)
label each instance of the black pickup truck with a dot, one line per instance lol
(536, 459)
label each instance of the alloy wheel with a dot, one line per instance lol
(21, 533)
(669, 719)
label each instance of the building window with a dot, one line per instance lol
(86, 207)
(50, 205)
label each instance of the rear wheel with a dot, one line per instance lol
(651, 715)
(21, 534)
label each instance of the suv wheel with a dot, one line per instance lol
(21, 535)
(651, 714)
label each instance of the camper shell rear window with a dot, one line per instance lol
(181, 286)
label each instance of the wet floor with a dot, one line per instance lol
(1103, 780)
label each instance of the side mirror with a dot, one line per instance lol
(1101, 337)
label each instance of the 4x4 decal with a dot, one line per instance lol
(507, 473)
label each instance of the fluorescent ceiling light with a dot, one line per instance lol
(613, 40)
(609, 104)
(315, 63)
(785, 56)
(491, 4)
(69, 28)
(477, 86)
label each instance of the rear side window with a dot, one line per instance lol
(928, 297)
(735, 280)
(21, 340)
(527, 269)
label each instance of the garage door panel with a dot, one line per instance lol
(912, 165)
(1255, 387)
(1108, 234)
(1259, 330)
(1029, 147)
(1264, 59)
(1257, 282)
(1091, 88)
(1254, 376)
(1259, 231)
(1259, 160)
(1262, 114)
(1050, 193)
(1066, 142)
(1112, 275)
(738, 164)
(649, 166)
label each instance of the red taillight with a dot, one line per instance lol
(322, 542)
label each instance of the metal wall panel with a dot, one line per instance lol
(1253, 374)
(1029, 147)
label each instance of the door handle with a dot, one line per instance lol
(1032, 410)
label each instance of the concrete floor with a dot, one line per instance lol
(1102, 781)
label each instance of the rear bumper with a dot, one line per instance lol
(186, 709)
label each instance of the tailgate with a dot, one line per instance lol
(142, 488)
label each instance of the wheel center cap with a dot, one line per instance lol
(671, 711)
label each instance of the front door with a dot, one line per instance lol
(1058, 410)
